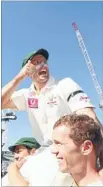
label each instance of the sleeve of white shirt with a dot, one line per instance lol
(79, 100)
(18, 98)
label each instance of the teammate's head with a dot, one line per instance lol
(77, 142)
(24, 147)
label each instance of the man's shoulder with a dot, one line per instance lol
(63, 179)
(66, 81)
(22, 91)
(68, 85)
(97, 183)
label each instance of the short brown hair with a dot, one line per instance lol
(82, 128)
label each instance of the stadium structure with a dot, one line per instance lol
(6, 155)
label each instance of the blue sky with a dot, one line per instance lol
(28, 26)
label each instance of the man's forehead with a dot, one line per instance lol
(19, 147)
(61, 131)
(36, 57)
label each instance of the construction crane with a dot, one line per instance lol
(89, 64)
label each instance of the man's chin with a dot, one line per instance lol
(63, 169)
(40, 79)
(43, 80)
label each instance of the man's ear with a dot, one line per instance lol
(86, 147)
(32, 151)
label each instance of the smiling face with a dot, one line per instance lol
(68, 154)
(42, 72)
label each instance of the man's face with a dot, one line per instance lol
(41, 75)
(21, 152)
(69, 156)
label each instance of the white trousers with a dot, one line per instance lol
(40, 169)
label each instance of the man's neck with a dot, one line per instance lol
(86, 177)
(89, 178)
(39, 86)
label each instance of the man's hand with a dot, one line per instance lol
(14, 175)
(16, 164)
(28, 70)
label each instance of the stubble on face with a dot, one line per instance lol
(69, 155)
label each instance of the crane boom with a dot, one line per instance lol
(89, 64)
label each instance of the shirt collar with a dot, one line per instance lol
(50, 83)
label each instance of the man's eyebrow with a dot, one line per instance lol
(17, 149)
(56, 141)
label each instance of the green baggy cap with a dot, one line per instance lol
(42, 52)
(26, 141)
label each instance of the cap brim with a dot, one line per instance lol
(35, 145)
(42, 52)
(12, 148)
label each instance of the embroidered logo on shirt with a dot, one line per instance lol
(33, 103)
(84, 98)
(52, 101)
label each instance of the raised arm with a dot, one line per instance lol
(9, 89)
